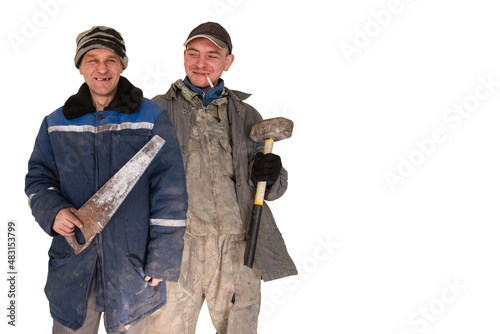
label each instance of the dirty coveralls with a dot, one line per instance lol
(212, 265)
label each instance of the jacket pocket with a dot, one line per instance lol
(138, 262)
(58, 256)
(57, 264)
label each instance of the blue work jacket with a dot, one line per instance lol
(77, 150)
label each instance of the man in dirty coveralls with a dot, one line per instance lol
(79, 147)
(213, 127)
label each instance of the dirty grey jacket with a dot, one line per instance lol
(271, 255)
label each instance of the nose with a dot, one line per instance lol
(101, 67)
(201, 62)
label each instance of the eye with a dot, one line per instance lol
(192, 54)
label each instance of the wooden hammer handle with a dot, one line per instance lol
(253, 230)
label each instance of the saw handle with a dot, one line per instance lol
(78, 247)
(88, 234)
(75, 244)
(253, 230)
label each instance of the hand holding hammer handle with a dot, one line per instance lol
(256, 213)
(270, 130)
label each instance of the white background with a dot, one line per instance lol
(372, 259)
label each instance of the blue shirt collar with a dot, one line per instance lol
(208, 95)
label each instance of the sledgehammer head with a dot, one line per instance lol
(278, 128)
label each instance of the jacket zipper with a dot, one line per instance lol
(98, 237)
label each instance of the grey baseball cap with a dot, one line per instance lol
(214, 32)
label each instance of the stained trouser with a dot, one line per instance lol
(212, 269)
(92, 320)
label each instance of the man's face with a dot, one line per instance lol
(101, 70)
(204, 57)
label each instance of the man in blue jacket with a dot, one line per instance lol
(78, 148)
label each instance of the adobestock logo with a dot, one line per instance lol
(283, 111)
(154, 78)
(363, 37)
(325, 249)
(224, 6)
(453, 117)
(31, 26)
(421, 319)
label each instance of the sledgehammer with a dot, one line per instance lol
(269, 131)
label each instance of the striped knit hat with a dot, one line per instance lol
(100, 37)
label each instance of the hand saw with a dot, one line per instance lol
(99, 209)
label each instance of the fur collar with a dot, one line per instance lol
(127, 100)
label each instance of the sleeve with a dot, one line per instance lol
(42, 183)
(168, 198)
(278, 188)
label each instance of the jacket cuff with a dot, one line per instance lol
(278, 188)
(165, 252)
